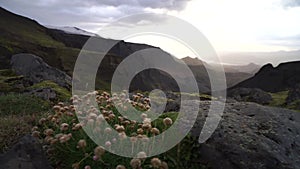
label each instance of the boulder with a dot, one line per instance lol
(27, 154)
(250, 95)
(36, 70)
(294, 94)
(251, 136)
(46, 93)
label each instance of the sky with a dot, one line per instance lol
(231, 26)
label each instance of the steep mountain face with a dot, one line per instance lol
(283, 77)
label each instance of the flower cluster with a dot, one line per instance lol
(63, 133)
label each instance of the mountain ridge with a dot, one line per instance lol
(285, 76)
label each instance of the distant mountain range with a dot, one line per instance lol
(60, 46)
(261, 58)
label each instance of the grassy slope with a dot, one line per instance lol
(19, 34)
(22, 35)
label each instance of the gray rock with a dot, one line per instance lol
(294, 94)
(45, 93)
(27, 154)
(172, 105)
(36, 70)
(251, 136)
(250, 95)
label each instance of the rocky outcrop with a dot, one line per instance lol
(46, 93)
(250, 95)
(36, 70)
(294, 94)
(27, 154)
(251, 136)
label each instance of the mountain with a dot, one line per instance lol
(274, 79)
(251, 68)
(72, 30)
(192, 61)
(60, 48)
(261, 58)
(199, 68)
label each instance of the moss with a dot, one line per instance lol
(7, 73)
(8, 80)
(62, 93)
(200, 95)
(279, 98)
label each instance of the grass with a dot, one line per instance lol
(15, 104)
(279, 99)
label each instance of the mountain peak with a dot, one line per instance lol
(192, 61)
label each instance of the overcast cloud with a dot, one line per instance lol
(231, 25)
(291, 3)
(89, 14)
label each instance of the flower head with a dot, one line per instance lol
(135, 163)
(48, 132)
(64, 126)
(81, 143)
(142, 155)
(99, 151)
(120, 167)
(155, 131)
(155, 162)
(167, 121)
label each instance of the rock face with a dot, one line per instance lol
(36, 70)
(250, 95)
(271, 79)
(27, 154)
(252, 136)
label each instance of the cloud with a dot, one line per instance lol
(89, 14)
(166, 4)
(291, 3)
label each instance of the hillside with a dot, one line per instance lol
(59, 49)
